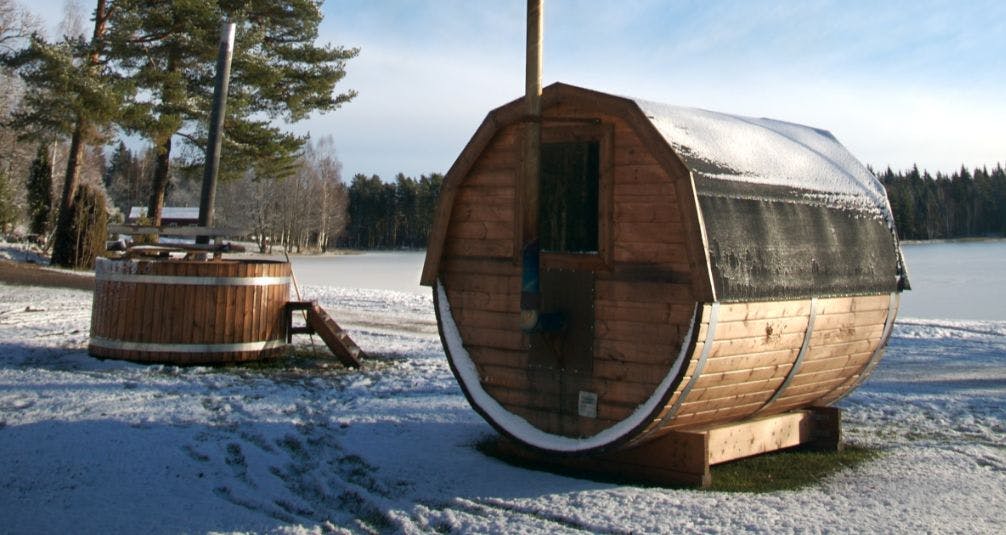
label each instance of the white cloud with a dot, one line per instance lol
(938, 130)
(415, 111)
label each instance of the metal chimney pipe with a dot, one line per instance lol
(532, 73)
(530, 297)
(216, 127)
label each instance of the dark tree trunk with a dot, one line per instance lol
(64, 248)
(162, 169)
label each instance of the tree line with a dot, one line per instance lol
(391, 215)
(959, 205)
(303, 209)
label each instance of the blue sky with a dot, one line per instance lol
(896, 81)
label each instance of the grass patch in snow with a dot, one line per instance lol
(787, 470)
(294, 360)
(305, 357)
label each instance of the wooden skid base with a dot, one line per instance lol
(684, 457)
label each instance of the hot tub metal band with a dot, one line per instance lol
(186, 348)
(192, 281)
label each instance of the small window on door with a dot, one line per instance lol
(569, 196)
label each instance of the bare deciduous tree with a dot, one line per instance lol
(16, 25)
(303, 211)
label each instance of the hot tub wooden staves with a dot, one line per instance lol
(189, 312)
(699, 269)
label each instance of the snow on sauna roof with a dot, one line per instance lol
(787, 210)
(768, 152)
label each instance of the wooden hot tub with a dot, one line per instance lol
(189, 312)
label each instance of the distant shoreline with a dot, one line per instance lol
(980, 239)
(29, 274)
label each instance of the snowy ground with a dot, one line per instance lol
(93, 447)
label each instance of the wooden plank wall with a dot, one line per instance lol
(847, 333)
(647, 219)
(640, 320)
(754, 349)
(479, 273)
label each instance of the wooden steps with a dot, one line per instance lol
(318, 321)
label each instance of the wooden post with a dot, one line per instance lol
(215, 139)
(530, 299)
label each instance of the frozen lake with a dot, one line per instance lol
(958, 279)
(381, 270)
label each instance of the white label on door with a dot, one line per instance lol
(587, 406)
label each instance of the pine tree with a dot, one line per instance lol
(168, 50)
(89, 224)
(8, 205)
(125, 181)
(406, 192)
(71, 92)
(40, 192)
(429, 193)
(398, 214)
(998, 180)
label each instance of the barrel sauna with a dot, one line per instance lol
(189, 312)
(701, 268)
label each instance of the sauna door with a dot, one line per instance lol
(571, 348)
(561, 360)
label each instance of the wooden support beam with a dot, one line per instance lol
(684, 457)
(137, 230)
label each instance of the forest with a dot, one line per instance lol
(395, 214)
(964, 204)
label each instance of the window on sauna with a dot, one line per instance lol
(568, 197)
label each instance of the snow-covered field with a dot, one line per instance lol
(88, 446)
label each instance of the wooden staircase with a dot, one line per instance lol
(318, 321)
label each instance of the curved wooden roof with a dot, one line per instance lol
(786, 211)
